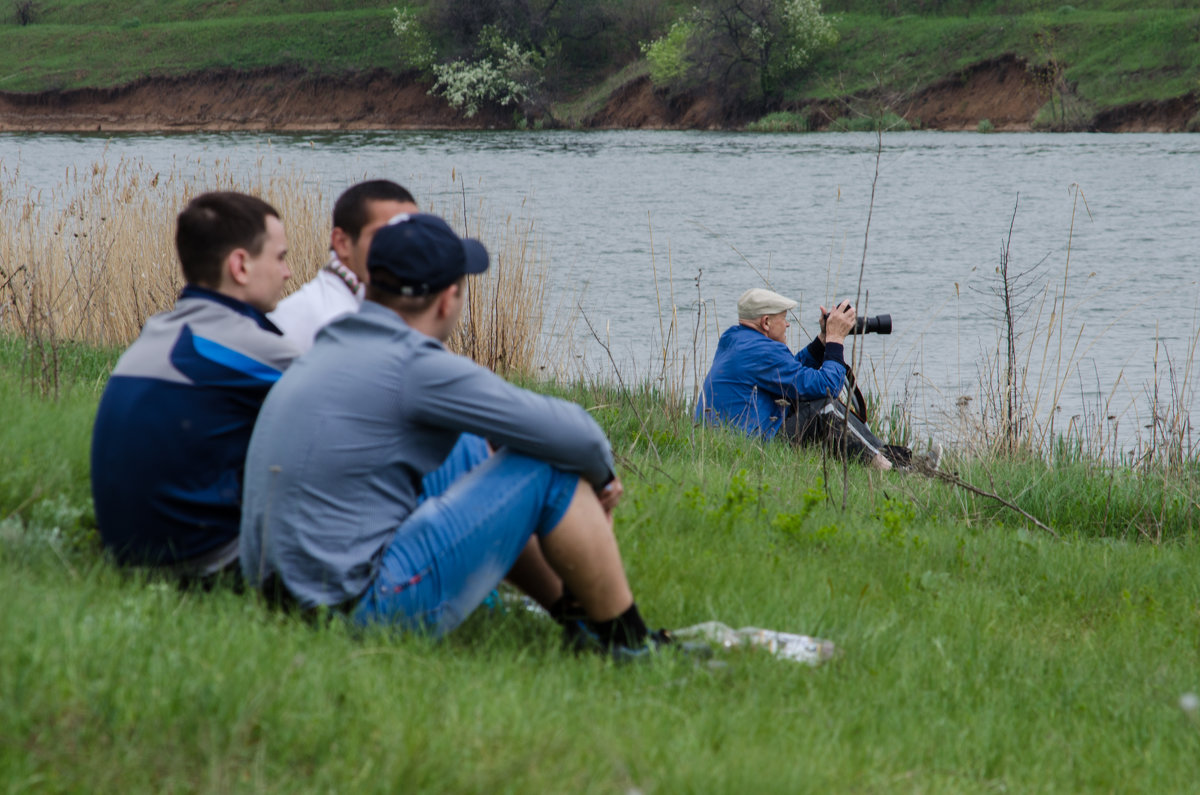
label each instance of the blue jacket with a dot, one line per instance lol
(751, 371)
(173, 425)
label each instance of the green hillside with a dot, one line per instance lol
(102, 44)
(1109, 57)
(1113, 53)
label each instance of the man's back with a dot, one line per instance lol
(173, 425)
(751, 372)
(337, 457)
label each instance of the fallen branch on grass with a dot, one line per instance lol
(955, 480)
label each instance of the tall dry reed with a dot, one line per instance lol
(507, 324)
(92, 258)
(1038, 358)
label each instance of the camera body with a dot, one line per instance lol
(878, 324)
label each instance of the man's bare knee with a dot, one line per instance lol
(582, 549)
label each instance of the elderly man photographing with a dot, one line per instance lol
(758, 385)
(332, 518)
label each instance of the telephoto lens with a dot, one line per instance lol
(879, 324)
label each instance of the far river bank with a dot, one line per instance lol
(1003, 92)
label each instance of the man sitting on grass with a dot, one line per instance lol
(176, 415)
(331, 514)
(758, 385)
(338, 288)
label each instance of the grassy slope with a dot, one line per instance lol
(1111, 57)
(83, 55)
(1115, 53)
(977, 654)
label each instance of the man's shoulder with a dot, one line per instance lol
(317, 303)
(430, 359)
(236, 330)
(321, 291)
(201, 329)
(372, 345)
(745, 339)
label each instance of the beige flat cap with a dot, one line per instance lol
(757, 302)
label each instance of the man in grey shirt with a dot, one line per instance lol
(331, 515)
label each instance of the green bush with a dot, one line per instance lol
(505, 75)
(416, 50)
(781, 121)
(26, 12)
(986, 126)
(668, 55)
(1063, 113)
(747, 50)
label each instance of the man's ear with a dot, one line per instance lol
(341, 243)
(236, 266)
(446, 299)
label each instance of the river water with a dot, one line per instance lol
(1104, 233)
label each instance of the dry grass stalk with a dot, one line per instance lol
(504, 321)
(1020, 415)
(91, 259)
(95, 256)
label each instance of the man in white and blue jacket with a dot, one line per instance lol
(757, 385)
(171, 432)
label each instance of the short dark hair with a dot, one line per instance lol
(384, 289)
(214, 224)
(350, 210)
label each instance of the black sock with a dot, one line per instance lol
(627, 629)
(567, 608)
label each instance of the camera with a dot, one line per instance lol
(879, 324)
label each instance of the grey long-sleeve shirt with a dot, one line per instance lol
(345, 436)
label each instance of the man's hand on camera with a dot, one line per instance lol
(837, 324)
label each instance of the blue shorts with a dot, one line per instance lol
(455, 548)
(468, 452)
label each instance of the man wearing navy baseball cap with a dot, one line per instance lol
(331, 515)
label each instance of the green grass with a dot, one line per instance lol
(78, 55)
(1110, 57)
(977, 652)
(781, 121)
(591, 100)
(44, 443)
(114, 12)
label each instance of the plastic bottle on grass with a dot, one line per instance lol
(784, 645)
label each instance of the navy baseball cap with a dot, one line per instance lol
(422, 255)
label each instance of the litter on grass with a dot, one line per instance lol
(784, 645)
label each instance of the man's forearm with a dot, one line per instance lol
(834, 351)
